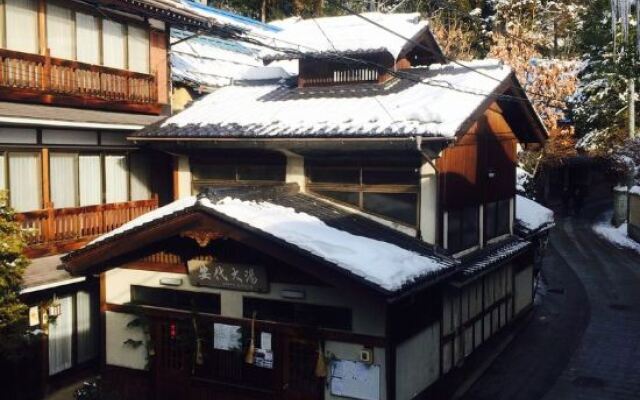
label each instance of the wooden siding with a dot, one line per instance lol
(481, 166)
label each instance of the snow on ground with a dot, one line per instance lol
(532, 215)
(616, 236)
(381, 263)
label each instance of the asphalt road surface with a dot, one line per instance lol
(583, 340)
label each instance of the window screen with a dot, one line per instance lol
(22, 25)
(64, 179)
(298, 313)
(462, 229)
(87, 39)
(138, 48)
(60, 31)
(113, 44)
(497, 219)
(177, 299)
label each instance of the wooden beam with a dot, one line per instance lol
(46, 189)
(42, 27)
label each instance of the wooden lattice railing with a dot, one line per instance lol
(53, 230)
(50, 75)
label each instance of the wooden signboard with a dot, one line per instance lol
(245, 277)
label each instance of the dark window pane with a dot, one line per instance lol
(399, 206)
(178, 299)
(352, 198)
(331, 175)
(490, 211)
(503, 218)
(470, 234)
(454, 220)
(407, 176)
(213, 172)
(261, 173)
(298, 313)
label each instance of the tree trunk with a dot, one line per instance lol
(263, 11)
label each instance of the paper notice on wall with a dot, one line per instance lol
(355, 379)
(34, 318)
(227, 337)
(265, 341)
(264, 358)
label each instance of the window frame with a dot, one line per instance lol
(7, 172)
(360, 188)
(498, 233)
(463, 247)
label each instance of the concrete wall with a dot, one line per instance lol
(634, 216)
(428, 203)
(351, 352)
(418, 362)
(117, 332)
(523, 284)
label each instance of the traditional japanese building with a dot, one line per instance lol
(352, 232)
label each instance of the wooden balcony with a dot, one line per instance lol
(34, 78)
(59, 230)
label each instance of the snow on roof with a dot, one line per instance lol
(349, 33)
(380, 263)
(532, 215)
(212, 62)
(226, 17)
(438, 105)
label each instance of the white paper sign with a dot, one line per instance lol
(355, 379)
(265, 341)
(227, 337)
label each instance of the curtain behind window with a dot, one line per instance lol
(3, 173)
(87, 38)
(113, 44)
(63, 179)
(86, 323)
(22, 25)
(90, 180)
(24, 181)
(138, 45)
(60, 35)
(60, 338)
(117, 189)
(140, 177)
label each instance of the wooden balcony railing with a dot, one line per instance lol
(58, 230)
(34, 77)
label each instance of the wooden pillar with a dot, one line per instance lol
(46, 190)
(42, 27)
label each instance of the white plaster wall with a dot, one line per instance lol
(117, 332)
(184, 177)
(295, 170)
(351, 352)
(428, 203)
(418, 362)
(368, 313)
(523, 289)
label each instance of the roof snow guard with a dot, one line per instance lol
(437, 101)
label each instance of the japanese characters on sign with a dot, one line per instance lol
(215, 274)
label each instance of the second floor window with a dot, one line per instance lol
(463, 230)
(239, 172)
(74, 35)
(391, 192)
(497, 219)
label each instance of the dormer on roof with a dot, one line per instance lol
(353, 49)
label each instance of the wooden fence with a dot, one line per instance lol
(56, 230)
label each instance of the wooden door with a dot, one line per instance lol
(299, 363)
(172, 359)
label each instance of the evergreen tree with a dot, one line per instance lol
(12, 265)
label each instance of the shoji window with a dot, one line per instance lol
(140, 177)
(114, 44)
(60, 31)
(3, 172)
(116, 178)
(63, 168)
(24, 181)
(61, 338)
(138, 46)
(22, 25)
(90, 179)
(87, 38)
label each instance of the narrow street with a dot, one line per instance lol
(582, 341)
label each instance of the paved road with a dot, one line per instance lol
(583, 341)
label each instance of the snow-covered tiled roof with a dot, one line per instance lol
(533, 216)
(223, 17)
(350, 33)
(211, 62)
(433, 101)
(363, 248)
